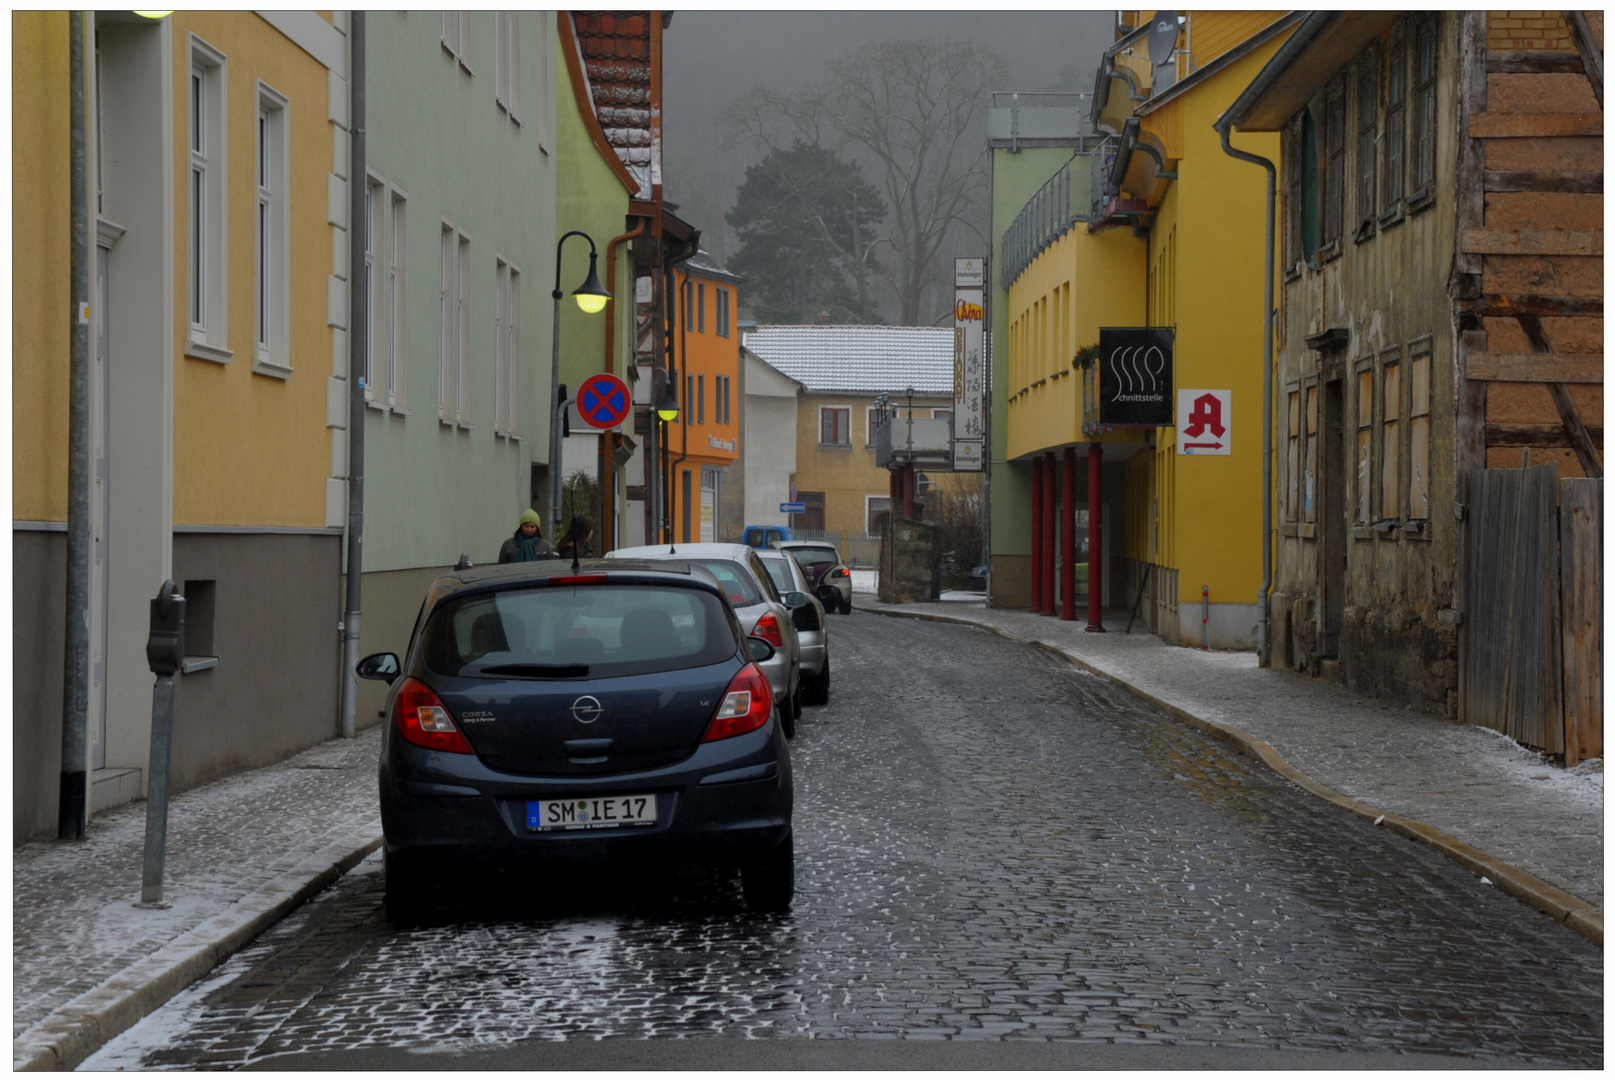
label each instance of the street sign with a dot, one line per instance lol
(1204, 426)
(1135, 376)
(603, 401)
(969, 363)
(793, 508)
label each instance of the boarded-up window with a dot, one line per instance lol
(1418, 506)
(1390, 488)
(1292, 459)
(1365, 446)
(1309, 473)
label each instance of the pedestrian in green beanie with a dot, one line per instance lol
(528, 543)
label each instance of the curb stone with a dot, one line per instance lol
(1574, 912)
(64, 1039)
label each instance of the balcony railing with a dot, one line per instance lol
(919, 441)
(1062, 201)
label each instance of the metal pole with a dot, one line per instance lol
(987, 410)
(555, 384)
(162, 746)
(358, 353)
(73, 802)
(1096, 538)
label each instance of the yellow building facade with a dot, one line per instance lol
(215, 197)
(1169, 234)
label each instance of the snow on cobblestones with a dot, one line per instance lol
(225, 838)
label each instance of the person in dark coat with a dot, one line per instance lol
(528, 543)
(575, 544)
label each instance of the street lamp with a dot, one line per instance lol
(668, 408)
(591, 297)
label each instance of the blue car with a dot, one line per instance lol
(610, 714)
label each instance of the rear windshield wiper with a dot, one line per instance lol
(540, 671)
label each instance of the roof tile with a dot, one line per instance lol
(859, 359)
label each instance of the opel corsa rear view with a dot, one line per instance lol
(602, 713)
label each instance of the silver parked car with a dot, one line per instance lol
(824, 569)
(757, 604)
(810, 625)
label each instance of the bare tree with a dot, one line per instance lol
(913, 109)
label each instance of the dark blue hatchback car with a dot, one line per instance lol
(560, 713)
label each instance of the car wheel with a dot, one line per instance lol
(406, 890)
(770, 882)
(816, 690)
(796, 702)
(787, 721)
(846, 606)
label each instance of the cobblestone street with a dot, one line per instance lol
(991, 848)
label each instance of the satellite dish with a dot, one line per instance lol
(1163, 40)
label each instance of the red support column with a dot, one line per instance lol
(1096, 555)
(1048, 607)
(1036, 566)
(1068, 539)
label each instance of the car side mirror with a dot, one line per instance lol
(382, 665)
(761, 649)
(795, 599)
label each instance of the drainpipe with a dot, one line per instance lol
(358, 348)
(73, 797)
(608, 500)
(684, 417)
(1264, 644)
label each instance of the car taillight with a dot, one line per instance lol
(422, 719)
(767, 628)
(843, 572)
(745, 706)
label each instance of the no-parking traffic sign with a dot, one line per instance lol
(603, 401)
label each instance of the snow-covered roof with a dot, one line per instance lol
(828, 358)
(702, 264)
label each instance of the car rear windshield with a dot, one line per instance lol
(565, 632)
(780, 573)
(736, 584)
(808, 556)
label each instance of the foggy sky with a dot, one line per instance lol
(710, 57)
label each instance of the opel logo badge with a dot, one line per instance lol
(586, 709)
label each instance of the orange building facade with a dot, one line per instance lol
(705, 439)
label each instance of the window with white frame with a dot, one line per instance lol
(272, 353)
(456, 36)
(835, 426)
(507, 63)
(871, 419)
(376, 328)
(207, 306)
(395, 366)
(454, 328)
(507, 349)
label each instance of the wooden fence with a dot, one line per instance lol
(1529, 658)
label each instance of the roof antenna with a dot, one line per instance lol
(574, 560)
(464, 563)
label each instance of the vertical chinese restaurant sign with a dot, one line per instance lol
(1135, 376)
(1204, 426)
(969, 363)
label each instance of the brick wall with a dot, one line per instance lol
(1507, 31)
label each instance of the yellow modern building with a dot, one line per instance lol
(215, 200)
(1155, 227)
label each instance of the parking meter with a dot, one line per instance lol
(165, 647)
(165, 651)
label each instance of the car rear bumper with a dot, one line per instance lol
(722, 806)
